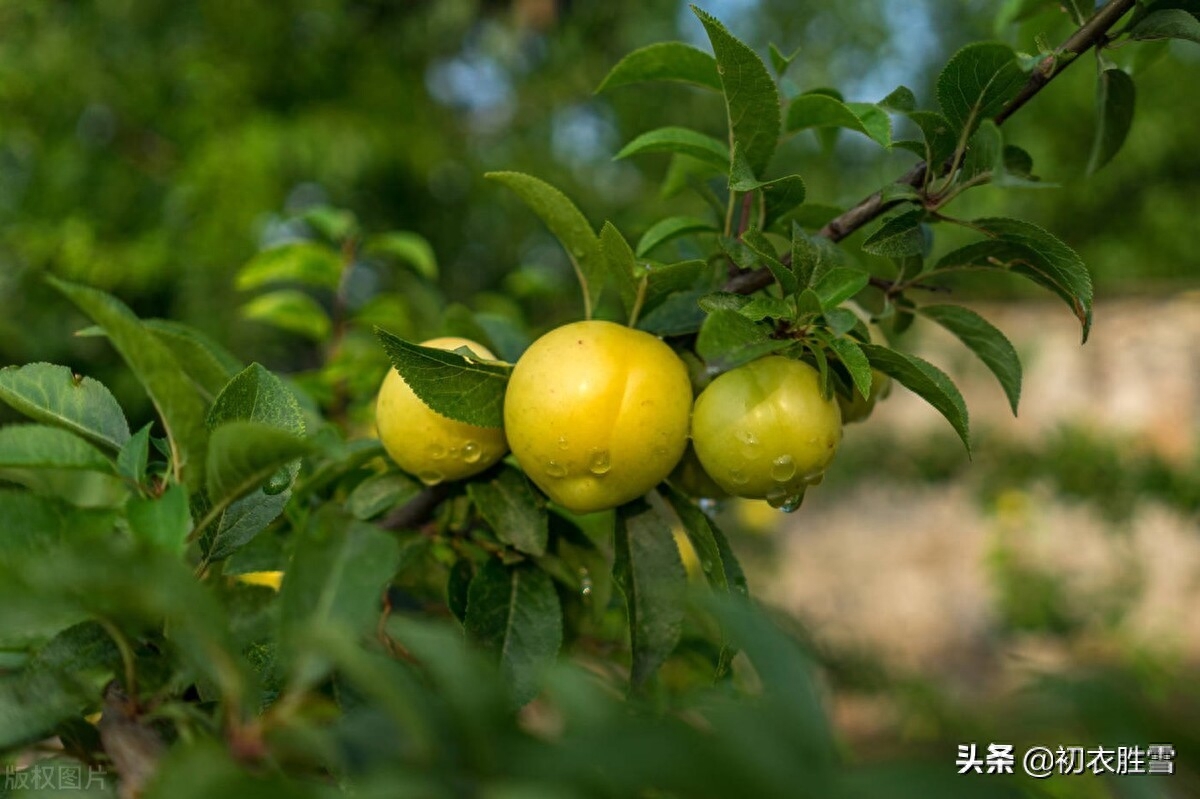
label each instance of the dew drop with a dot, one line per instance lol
(556, 469)
(709, 506)
(431, 477)
(437, 451)
(747, 438)
(783, 469)
(562, 442)
(738, 477)
(471, 452)
(599, 462)
(585, 583)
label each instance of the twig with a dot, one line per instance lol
(1091, 33)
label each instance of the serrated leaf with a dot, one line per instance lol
(822, 111)
(241, 521)
(131, 460)
(899, 236)
(406, 247)
(938, 134)
(779, 61)
(806, 256)
(1115, 95)
(52, 395)
(779, 196)
(1167, 23)
(1028, 250)
(672, 61)
(515, 614)
(380, 493)
(244, 455)
(751, 98)
(727, 340)
(457, 387)
(977, 82)
(310, 263)
(35, 446)
(926, 381)
(985, 153)
(207, 363)
(620, 263)
(669, 229)
(665, 280)
(567, 223)
(711, 544)
(900, 99)
(758, 242)
(163, 522)
(678, 314)
(764, 306)
(986, 341)
(651, 576)
(512, 509)
(840, 284)
(855, 361)
(290, 310)
(682, 141)
(157, 369)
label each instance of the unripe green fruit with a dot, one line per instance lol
(860, 407)
(597, 414)
(764, 430)
(424, 443)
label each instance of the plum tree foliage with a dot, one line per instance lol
(421, 605)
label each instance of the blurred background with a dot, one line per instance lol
(152, 148)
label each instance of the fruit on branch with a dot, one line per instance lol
(424, 443)
(859, 407)
(597, 414)
(765, 431)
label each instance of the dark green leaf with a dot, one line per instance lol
(683, 141)
(671, 228)
(977, 82)
(840, 284)
(678, 314)
(901, 99)
(238, 523)
(290, 310)
(307, 262)
(244, 455)
(407, 248)
(1115, 95)
(1168, 23)
(780, 195)
(898, 236)
(761, 245)
(208, 363)
(155, 366)
(35, 446)
(652, 578)
(567, 224)
(940, 140)
(664, 61)
(986, 341)
(985, 155)
(823, 111)
(710, 543)
(131, 460)
(621, 265)
(380, 493)
(806, 256)
(780, 61)
(163, 521)
(926, 381)
(665, 280)
(855, 361)
(53, 395)
(727, 340)
(750, 95)
(515, 614)
(512, 509)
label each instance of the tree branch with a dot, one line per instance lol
(1091, 33)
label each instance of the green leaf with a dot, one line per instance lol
(1115, 95)
(290, 310)
(335, 224)
(407, 248)
(683, 141)
(163, 522)
(678, 314)
(513, 511)
(901, 99)
(840, 284)
(207, 363)
(310, 263)
(855, 361)
(131, 460)
(986, 341)
(977, 82)
(822, 111)
(926, 381)
(53, 395)
(244, 455)
(764, 306)
(459, 388)
(1014, 11)
(985, 154)
(35, 446)
(758, 242)
(515, 614)
(750, 95)
(806, 255)
(238, 523)
(1028, 250)
(619, 260)
(725, 573)
(157, 369)
(898, 236)
(1169, 23)
(651, 576)
(940, 140)
(380, 493)
(780, 195)
(568, 225)
(671, 228)
(727, 340)
(664, 61)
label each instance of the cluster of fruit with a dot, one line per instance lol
(597, 414)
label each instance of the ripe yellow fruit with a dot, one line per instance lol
(764, 431)
(859, 408)
(424, 443)
(597, 414)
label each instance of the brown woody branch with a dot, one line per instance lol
(1092, 33)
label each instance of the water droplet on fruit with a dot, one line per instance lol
(747, 438)
(783, 469)
(562, 442)
(556, 469)
(431, 477)
(784, 501)
(599, 462)
(437, 451)
(471, 452)
(738, 477)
